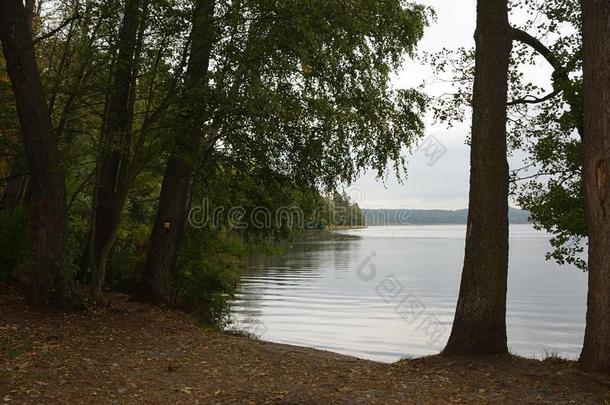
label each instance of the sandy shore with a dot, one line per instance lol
(133, 353)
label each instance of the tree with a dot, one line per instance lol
(114, 169)
(595, 355)
(301, 88)
(479, 327)
(51, 278)
(14, 180)
(547, 124)
(171, 214)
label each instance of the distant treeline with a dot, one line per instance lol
(336, 210)
(380, 217)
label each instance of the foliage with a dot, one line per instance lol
(303, 86)
(235, 212)
(340, 210)
(208, 272)
(298, 97)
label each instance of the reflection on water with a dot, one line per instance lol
(384, 293)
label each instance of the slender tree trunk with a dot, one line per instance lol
(51, 280)
(479, 327)
(15, 189)
(157, 277)
(116, 141)
(595, 355)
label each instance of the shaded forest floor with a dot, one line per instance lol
(136, 353)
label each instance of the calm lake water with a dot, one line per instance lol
(385, 293)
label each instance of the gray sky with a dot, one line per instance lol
(443, 185)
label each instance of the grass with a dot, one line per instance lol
(553, 357)
(240, 332)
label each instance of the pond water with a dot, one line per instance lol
(385, 293)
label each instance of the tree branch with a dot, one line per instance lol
(561, 79)
(56, 30)
(529, 99)
(543, 50)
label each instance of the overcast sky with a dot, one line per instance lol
(443, 185)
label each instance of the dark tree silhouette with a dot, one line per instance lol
(51, 279)
(113, 165)
(479, 326)
(596, 37)
(171, 213)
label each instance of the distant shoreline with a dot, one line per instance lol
(380, 217)
(344, 227)
(407, 225)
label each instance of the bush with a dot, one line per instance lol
(15, 245)
(208, 272)
(128, 256)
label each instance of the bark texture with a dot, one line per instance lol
(164, 244)
(596, 57)
(113, 167)
(479, 327)
(51, 279)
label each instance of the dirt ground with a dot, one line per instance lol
(133, 353)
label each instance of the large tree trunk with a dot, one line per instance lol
(113, 166)
(479, 327)
(596, 57)
(51, 279)
(157, 277)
